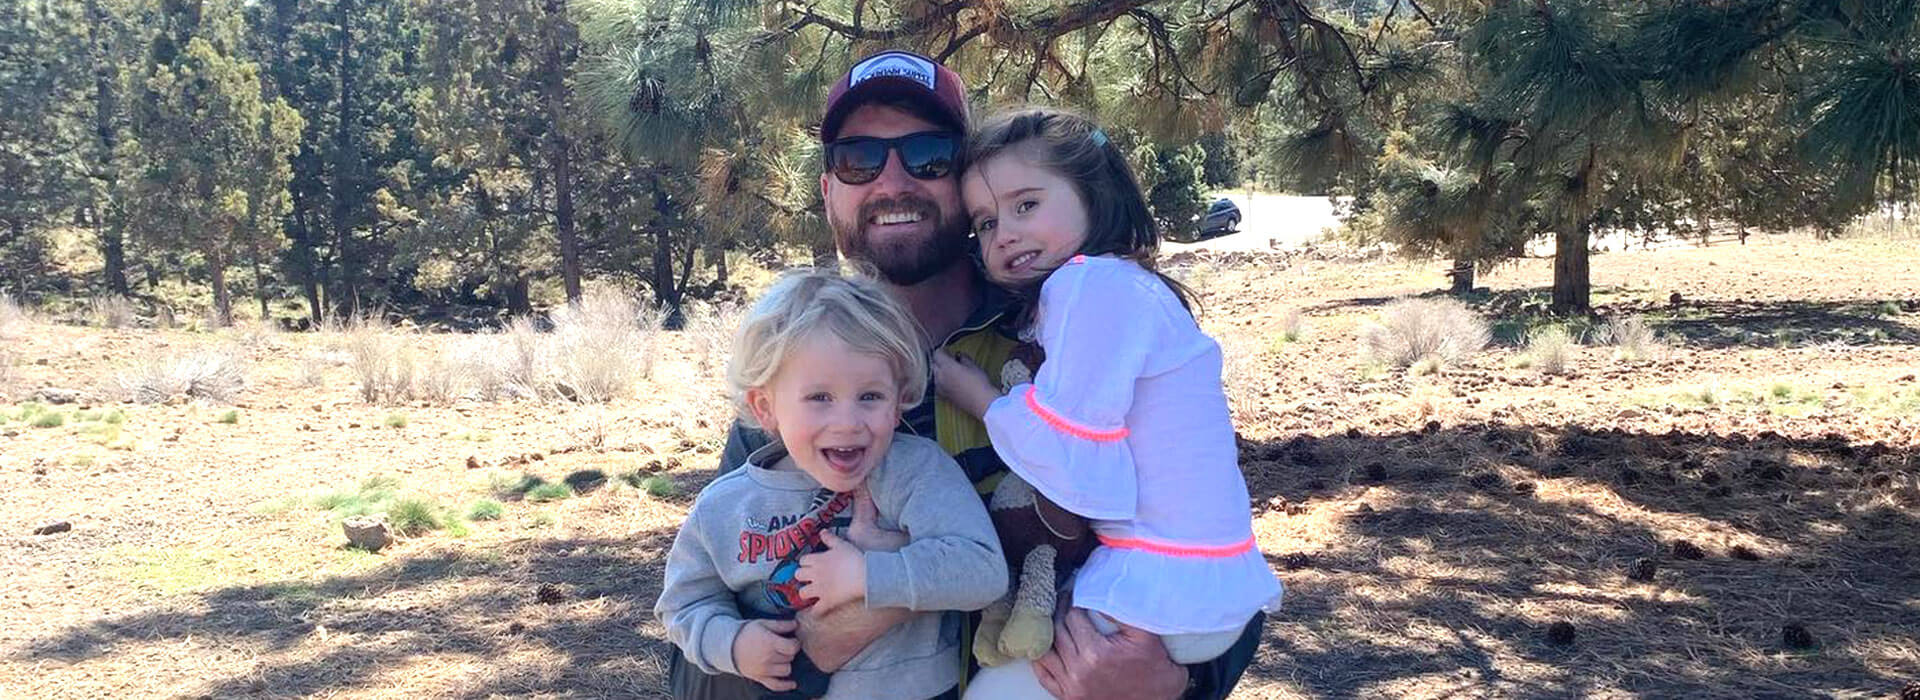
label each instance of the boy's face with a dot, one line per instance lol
(833, 407)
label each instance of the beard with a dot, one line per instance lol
(902, 260)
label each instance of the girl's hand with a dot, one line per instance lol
(866, 532)
(834, 577)
(962, 383)
(763, 652)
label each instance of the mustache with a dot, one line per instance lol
(905, 202)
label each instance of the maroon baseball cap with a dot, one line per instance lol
(897, 75)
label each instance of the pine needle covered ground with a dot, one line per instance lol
(1729, 510)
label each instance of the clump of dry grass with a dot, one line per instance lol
(313, 368)
(14, 318)
(710, 327)
(444, 375)
(603, 344)
(112, 311)
(1549, 349)
(1632, 339)
(381, 360)
(1889, 223)
(1239, 372)
(1292, 326)
(214, 374)
(1438, 331)
(523, 368)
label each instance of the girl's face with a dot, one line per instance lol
(834, 407)
(1028, 219)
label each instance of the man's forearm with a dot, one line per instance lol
(831, 638)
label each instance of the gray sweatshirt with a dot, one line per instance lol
(741, 542)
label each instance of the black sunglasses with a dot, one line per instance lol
(928, 155)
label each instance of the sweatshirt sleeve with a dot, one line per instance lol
(695, 603)
(1066, 432)
(952, 560)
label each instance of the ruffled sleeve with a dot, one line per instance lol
(1066, 432)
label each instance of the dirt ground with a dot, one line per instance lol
(1429, 528)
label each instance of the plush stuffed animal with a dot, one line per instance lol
(1044, 544)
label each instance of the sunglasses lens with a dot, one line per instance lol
(929, 156)
(857, 162)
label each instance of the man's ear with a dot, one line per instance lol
(824, 186)
(760, 403)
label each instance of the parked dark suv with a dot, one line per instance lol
(1223, 217)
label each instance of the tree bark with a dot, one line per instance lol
(113, 247)
(222, 301)
(303, 259)
(554, 89)
(1572, 288)
(345, 160)
(1462, 275)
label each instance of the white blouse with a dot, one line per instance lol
(1126, 424)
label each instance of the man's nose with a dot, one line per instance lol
(893, 176)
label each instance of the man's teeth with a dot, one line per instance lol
(897, 218)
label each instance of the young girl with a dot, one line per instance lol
(826, 365)
(1125, 423)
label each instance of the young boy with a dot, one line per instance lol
(826, 364)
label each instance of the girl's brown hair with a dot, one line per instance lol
(1071, 146)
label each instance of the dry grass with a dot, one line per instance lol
(382, 361)
(525, 362)
(1409, 331)
(112, 311)
(445, 374)
(14, 318)
(709, 328)
(1898, 224)
(214, 374)
(1550, 349)
(1632, 339)
(603, 345)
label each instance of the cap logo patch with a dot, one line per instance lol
(897, 65)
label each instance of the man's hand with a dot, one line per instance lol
(1131, 663)
(763, 652)
(962, 383)
(834, 577)
(866, 533)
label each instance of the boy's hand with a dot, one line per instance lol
(834, 577)
(962, 383)
(763, 652)
(866, 532)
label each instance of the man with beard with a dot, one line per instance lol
(893, 131)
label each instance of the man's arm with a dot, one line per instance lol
(831, 638)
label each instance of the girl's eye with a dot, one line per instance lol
(1025, 206)
(983, 226)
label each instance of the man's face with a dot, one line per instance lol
(908, 228)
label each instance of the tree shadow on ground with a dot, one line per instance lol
(562, 616)
(1712, 324)
(1432, 563)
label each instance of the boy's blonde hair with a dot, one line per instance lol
(807, 301)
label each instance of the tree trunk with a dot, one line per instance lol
(520, 295)
(665, 294)
(554, 87)
(303, 259)
(259, 281)
(1572, 288)
(1462, 275)
(345, 160)
(113, 246)
(222, 301)
(720, 266)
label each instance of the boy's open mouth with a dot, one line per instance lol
(845, 460)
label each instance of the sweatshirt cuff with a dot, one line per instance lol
(716, 643)
(888, 585)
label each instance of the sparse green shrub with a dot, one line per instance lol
(414, 516)
(485, 509)
(549, 492)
